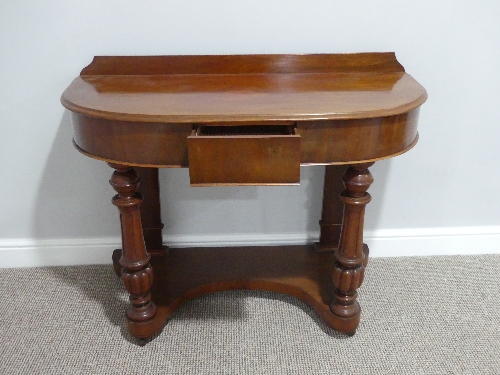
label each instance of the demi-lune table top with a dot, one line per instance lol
(243, 88)
(244, 119)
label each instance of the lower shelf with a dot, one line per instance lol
(187, 273)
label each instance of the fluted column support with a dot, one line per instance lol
(352, 255)
(137, 273)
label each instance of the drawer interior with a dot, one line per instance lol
(244, 130)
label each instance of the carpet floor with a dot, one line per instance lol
(421, 315)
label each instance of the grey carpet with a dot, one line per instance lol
(428, 315)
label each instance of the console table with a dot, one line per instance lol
(243, 120)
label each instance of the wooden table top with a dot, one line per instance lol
(243, 88)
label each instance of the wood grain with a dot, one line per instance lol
(243, 64)
(352, 255)
(189, 273)
(321, 142)
(205, 89)
(260, 157)
(332, 209)
(136, 272)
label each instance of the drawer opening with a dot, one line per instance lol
(244, 130)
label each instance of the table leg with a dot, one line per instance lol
(331, 213)
(137, 273)
(352, 255)
(150, 211)
(150, 208)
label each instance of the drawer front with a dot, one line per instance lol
(244, 155)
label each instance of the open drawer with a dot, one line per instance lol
(244, 155)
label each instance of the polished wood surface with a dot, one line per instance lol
(352, 255)
(192, 272)
(150, 215)
(250, 120)
(149, 208)
(332, 210)
(163, 145)
(158, 100)
(137, 274)
(244, 155)
(244, 64)
(207, 89)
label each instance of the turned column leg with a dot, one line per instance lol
(331, 213)
(150, 211)
(150, 208)
(137, 274)
(352, 254)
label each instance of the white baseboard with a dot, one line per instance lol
(382, 243)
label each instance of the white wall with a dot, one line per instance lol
(449, 180)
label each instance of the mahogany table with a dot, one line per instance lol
(243, 120)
